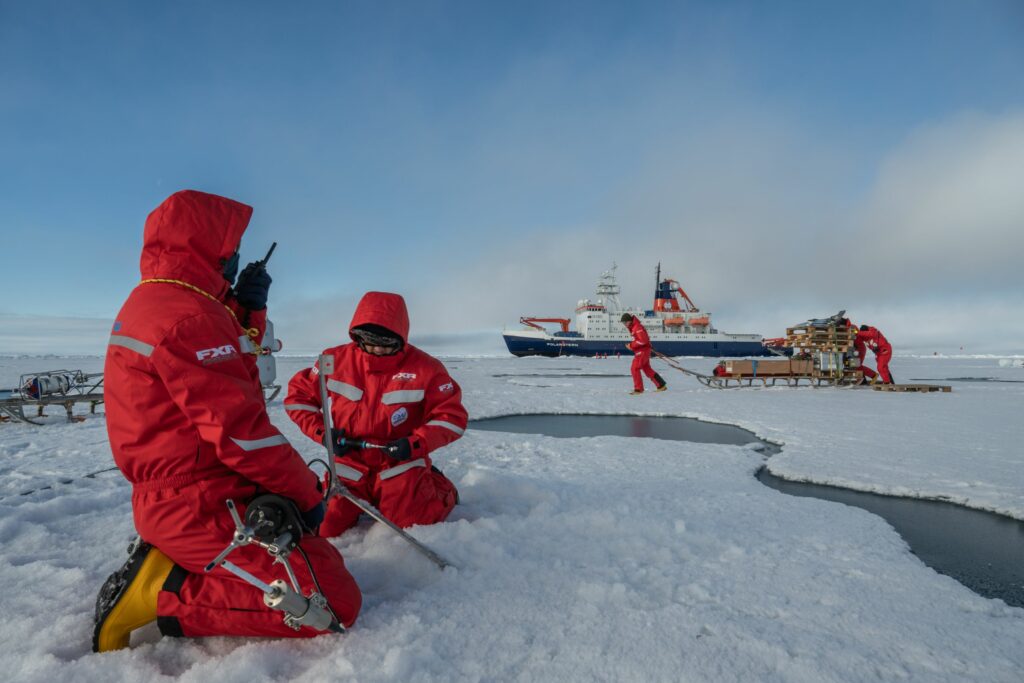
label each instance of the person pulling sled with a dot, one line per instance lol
(641, 348)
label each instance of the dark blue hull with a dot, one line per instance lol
(576, 346)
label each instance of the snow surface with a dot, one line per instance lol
(601, 558)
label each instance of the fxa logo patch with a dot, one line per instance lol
(399, 416)
(404, 375)
(450, 386)
(216, 354)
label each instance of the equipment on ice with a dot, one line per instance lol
(272, 522)
(267, 364)
(52, 387)
(336, 488)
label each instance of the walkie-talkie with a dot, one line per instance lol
(262, 263)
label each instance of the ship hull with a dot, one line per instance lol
(523, 345)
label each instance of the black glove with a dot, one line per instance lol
(252, 286)
(399, 450)
(313, 516)
(339, 449)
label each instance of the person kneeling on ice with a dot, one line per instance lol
(870, 338)
(189, 429)
(387, 393)
(641, 348)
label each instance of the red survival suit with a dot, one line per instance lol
(381, 399)
(189, 429)
(641, 348)
(876, 341)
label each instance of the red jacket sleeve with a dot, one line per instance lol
(248, 319)
(444, 417)
(640, 338)
(208, 378)
(303, 403)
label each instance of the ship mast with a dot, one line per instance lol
(608, 290)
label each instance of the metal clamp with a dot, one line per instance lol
(299, 610)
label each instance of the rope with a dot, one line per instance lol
(250, 332)
(677, 366)
(705, 379)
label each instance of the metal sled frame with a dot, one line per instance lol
(86, 388)
(738, 381)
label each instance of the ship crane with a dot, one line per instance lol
(688, 305)
(676, 327)
(532, 322)
(664, 295)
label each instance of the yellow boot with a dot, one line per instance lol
(127, 600)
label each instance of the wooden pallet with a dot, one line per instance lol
(827, 346)
(821, 339)
(922, 388)
(802, 331)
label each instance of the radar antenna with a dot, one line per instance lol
(608, 290)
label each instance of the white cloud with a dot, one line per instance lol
(947, 208)
(761, 227)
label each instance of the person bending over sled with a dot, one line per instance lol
(870, 338)
(386, 392)
(641, 348)
(189, 429)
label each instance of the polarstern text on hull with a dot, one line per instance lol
(675, 325)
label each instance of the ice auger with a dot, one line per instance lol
(273, 523)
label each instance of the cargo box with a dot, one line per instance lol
(801, 367)
(758, 368)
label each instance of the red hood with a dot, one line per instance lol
(384, 309)
(188, 235)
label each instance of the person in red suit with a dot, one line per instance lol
(870, 338)
(641, 348)
(386, 392)
(189, 429)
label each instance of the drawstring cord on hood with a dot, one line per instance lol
(251, 332)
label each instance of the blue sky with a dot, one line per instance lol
(489, 159)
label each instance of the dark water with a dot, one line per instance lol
(981, 550)
(967, 379)
(574, 374)
(668, 428)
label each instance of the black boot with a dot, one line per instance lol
(662, 385)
